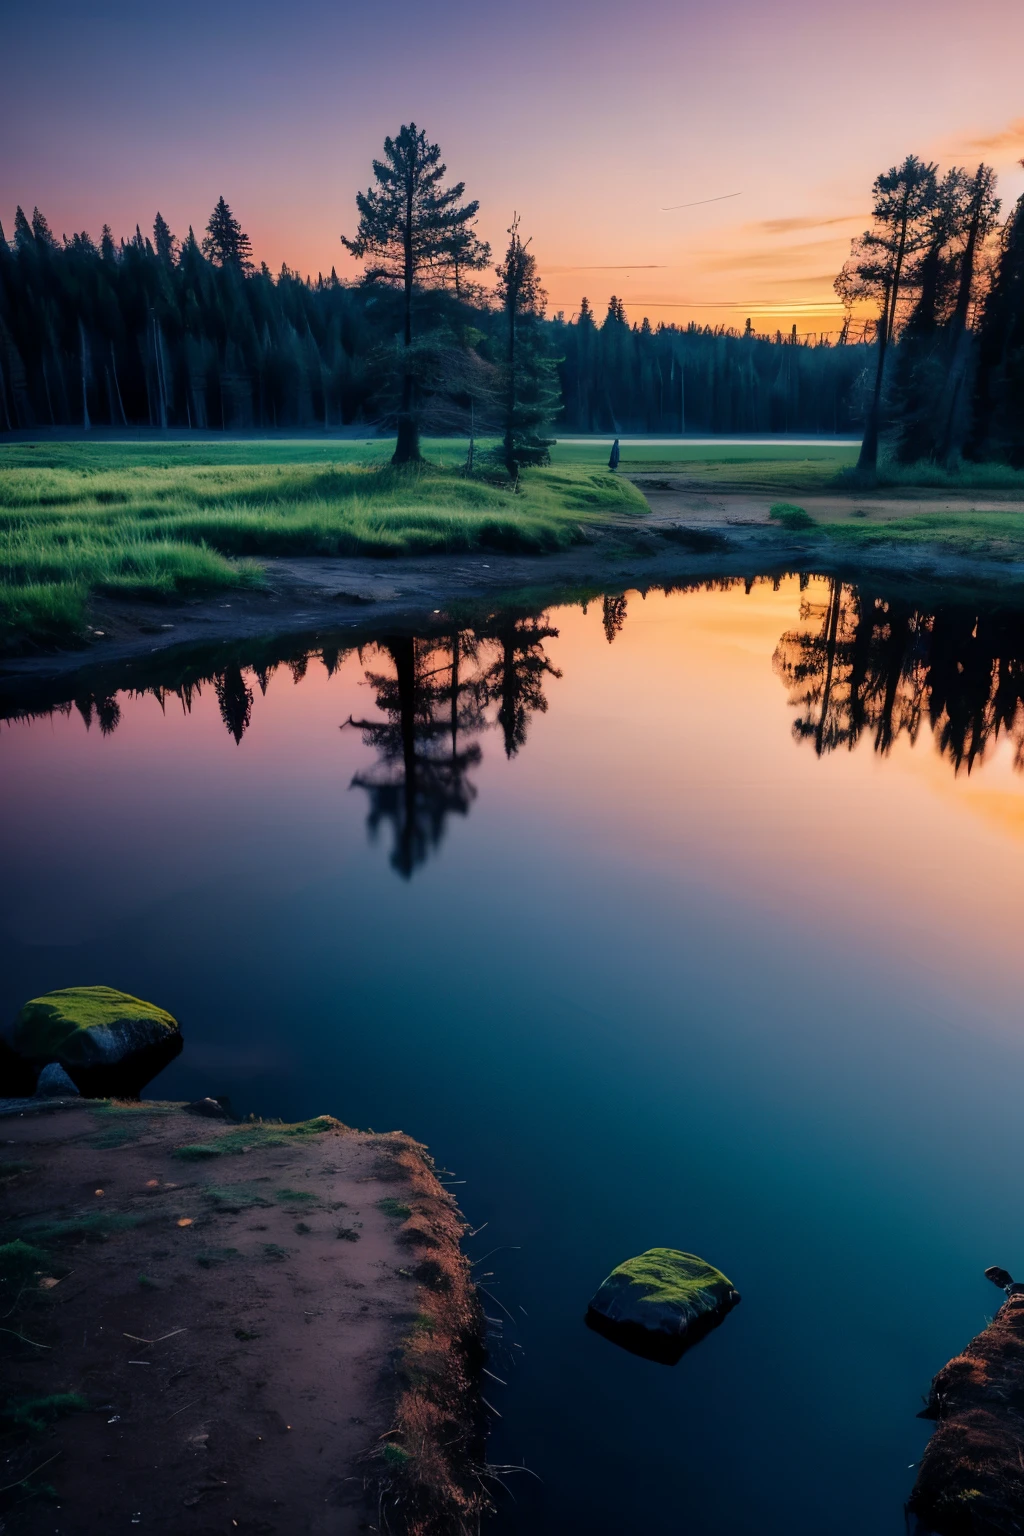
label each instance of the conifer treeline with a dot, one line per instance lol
(948, 281)
(152, 332)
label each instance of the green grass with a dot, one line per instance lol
(789, 516)
(235, 1197)
(254, 1138)
(759, 467)
(91, 1227)
(991, 535)
(394, 1208)
(82, 520)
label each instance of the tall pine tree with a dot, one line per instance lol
(412, 230)
(531, 395)
(226, 244)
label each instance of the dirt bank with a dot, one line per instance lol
(691, 535)
(211, 1327)
(971, 1478)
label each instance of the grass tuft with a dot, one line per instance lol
(82, 520)
(790, 516)
(394, 1208)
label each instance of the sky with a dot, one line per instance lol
(591, 120)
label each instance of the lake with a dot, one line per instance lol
(688, 920)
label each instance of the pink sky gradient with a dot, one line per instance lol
(589, 121)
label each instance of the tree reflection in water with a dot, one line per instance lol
(865, 664)
(862, 663)
(435, 697)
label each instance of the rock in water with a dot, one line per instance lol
(661, 1303)
(109, 1043)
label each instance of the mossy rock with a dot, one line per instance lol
(661, 1303)
(109, 1043)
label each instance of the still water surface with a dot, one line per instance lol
(698, 933)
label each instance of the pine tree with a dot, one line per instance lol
(530, 389)
(903, 201)
(226, 244)
(41, 230)
(24, 239)
(164, 242)
(998, 430)
(411, 229)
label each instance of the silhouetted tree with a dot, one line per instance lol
(530, 391)
(903, 200)
(226, 244)
(413, 229)
(998, 428)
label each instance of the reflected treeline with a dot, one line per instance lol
(862, 663)
(435, 697)
(879, 666)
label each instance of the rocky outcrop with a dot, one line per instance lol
(109, 1043)
(971, 1479)
(661, 1303)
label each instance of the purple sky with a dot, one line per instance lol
(589, 120)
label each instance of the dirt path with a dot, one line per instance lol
(677, 498)
(231, 1320)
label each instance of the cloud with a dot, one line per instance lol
(757, 260)
(791, 226)
(636, 266)
(1009, 139)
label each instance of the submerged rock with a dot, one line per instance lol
(109, 1043)
(661, 1303)
(970, 1480)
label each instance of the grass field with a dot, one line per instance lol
(159, 520)
(755, 467)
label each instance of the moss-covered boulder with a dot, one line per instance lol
(661, 1303)
(109, 1043)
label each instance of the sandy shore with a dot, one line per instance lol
(236, 1337)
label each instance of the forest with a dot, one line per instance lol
(160, 332)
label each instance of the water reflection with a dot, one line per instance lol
(879, 666)
(862, 664)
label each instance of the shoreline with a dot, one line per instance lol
(689, 538)
(285, 1311)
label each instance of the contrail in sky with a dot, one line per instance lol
(672, 208)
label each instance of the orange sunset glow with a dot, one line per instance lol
(769, 124)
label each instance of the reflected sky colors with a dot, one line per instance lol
(671, 979)
(587, 119)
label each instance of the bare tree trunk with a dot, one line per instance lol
(117, 386)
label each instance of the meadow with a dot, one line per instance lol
(170, 519)
(159, 519)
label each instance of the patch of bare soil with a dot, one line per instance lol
(971, 1478)
(219, 1328)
